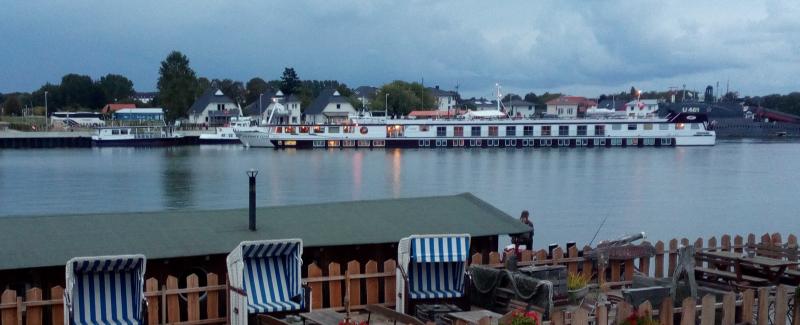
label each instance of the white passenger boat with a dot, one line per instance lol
(227, 134)
(136, 136)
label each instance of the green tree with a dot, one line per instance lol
(531, 98)
(233, 89)
(403, 97)
(289, 81)
(254, 88)
(512, 97)
(11, 106)
(202, 84)
(79, 91)
(116, 87)
(177, 84)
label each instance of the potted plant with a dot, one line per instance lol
(523, 318)
(577, 287)
(636, 319)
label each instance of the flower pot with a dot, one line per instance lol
(576, 296)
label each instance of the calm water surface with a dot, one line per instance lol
(734, 187)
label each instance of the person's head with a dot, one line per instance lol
(524, 215)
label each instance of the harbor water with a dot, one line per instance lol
(737, 186)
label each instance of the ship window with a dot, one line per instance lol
(493, 131)
(600, 130)
(303, 129)
(458, 131)
(563, 130)
(632, 127)
(319, 129)
(123, 131)
(115, 132)
(679, 126)
(694, 126)
(394, 131)
(581, 130)
(663, 126)
(333, 129)
(616, 126)
(511, 131)
(648, 126)
(527, 130)
(476, 131)
(441, 131)
(545, 130)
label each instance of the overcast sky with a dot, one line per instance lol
(576, 47)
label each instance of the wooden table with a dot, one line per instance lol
(770, 268)
(473, 317)
(323, 317)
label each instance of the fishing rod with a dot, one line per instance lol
(598, 230)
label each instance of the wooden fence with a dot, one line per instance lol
(374, 283)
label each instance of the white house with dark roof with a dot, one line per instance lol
(213, 108)
(329, 107)
(284, 109)
(641, 108)
(445, 99)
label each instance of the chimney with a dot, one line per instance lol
(251, 174)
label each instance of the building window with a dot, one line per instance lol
(569, 111)
(333, 129)
(441, 131)
(633, 127)
(458, 131)
(530, 107)
(511, 131)
(581, 130)
(563, 130)
(527, 130)
(560, 111)
(338, 106)
(648, 126)
(493, 131)
(546, 130)
(476, 131)
(600, 130)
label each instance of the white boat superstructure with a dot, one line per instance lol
(227, 134)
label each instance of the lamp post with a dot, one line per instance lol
(252, 173)
(386, 106)
(46, 120)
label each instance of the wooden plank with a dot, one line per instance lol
(558, 255)
(763, 306)
(485, 321)
(645, 308)
(316, 288)
(526, 256)
(57, 311)
(494, 258)
(572, 267)
(371, 284)
(173, 305)
(688, 312)
(659, 260)
(212, 297)
(781, 304)
(729, 309)
(776, 239)
(629, 270)
(335, 287)
(389, 283)
(353, 267)
(8, 316)
(748, 301)
(558, 318)
(602, 315)
(673, 257)
(33, 314)
(725, 243)
(580, 317)
(151, 286)
(624, 310)
(708, 311)
(698, 247)
(392, 315)
(665, 313)
(738, 243)
(712, 243)
(477, 259)
(615, 271)
(587, 263)
(193, 299)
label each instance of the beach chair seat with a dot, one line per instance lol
(105, 290)
(431, 267)
(265, 277)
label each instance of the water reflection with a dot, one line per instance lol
(177, 178)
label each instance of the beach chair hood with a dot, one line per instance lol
(264, 277)
(104, 289)
(433, 266)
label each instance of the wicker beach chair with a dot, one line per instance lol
(431, 269)
(104, 290)
(265, 278)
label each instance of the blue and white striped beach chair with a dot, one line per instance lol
(265, 277)
(431, 267)
(104, 290)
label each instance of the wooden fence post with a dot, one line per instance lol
(192, 298)
(151, 286)
(624, 310)
(57, 311)
(763, 306)
(9, 315)
(602, 315)
(494, 258)
(572, 267)
(615, 270)
(665, 314)
(689, 313)
(580, 317)
(541, 255)
(558, 318)
(748, 301)
(781, 305)
(738, 244)
(212, 297)
(673, 257)
(645, 308)
(354, 268)
(729, 309)
(708, 312)
(173, 305)
(587, 263)
(477, 259)
(712, 243)
(334, 286)
(629, 269)
(316, 287)
(389, 283)
(372, 283)
(698, 247)
(558, 255)
(527, 256)
(791, 243)
(659, 259)
(726, 242)
(33, 314)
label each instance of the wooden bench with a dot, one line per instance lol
(391, 315)
(730, 276)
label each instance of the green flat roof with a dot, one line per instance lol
(39, 241)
